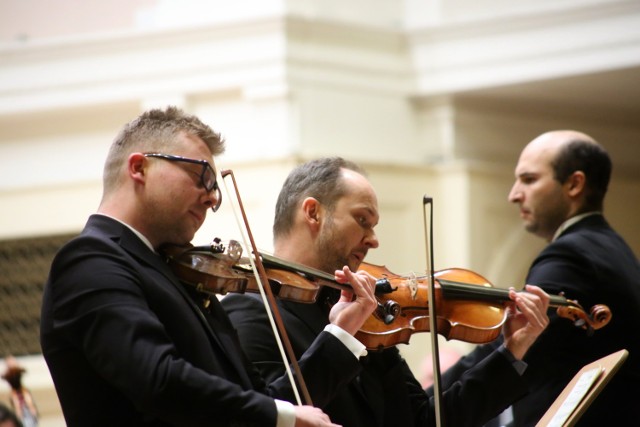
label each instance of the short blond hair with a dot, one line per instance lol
(155, 130)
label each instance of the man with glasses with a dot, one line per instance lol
(128, 344)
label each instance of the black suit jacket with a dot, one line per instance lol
(592, 264)
(127, 344)
(386, 393)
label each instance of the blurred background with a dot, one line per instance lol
(431, 97)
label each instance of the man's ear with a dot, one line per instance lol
(576, 184)
(311, 209)
(137, 167)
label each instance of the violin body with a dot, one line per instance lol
(466, 320)
(468, 308)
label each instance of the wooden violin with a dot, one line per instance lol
(220, 269)
(470, 309)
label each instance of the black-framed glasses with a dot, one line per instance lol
(207, 177)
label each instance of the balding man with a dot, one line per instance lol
(326, 216)
(561, 180)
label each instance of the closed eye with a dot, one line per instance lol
(528, 178)
(364, 222)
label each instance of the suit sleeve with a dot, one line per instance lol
(326, 364)
(249, 318)
(486, 389)
(476, 396)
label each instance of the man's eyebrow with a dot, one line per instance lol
(527, 174)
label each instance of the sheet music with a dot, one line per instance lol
(578, 392)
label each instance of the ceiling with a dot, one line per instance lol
(613, 93)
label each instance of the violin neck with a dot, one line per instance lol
(309, 272)
(461, 290)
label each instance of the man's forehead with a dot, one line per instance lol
(537, 157)
(360, 198)
(195, 142)
(532, 167)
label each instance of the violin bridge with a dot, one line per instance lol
(413, 286)
(234, 250)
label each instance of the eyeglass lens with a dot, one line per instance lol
(207, 177)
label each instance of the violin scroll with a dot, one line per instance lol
(599, 316)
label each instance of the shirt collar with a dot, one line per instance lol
(568, 223)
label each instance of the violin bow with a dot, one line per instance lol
(435, 353)
(269, 301)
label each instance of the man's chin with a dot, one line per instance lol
(354, 264)
(531, 227)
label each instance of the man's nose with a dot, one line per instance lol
(212, 200)
(515, 195)
(371, 240)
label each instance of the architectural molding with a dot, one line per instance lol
(541, 43)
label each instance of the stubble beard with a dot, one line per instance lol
(544, 224)
(329, 249)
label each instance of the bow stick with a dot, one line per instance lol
(432, 315)
(270, 303)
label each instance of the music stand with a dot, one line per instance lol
(582, 390)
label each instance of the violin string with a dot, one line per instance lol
(263, 295)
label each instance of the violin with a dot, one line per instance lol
(470, 309)
(216, 269)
